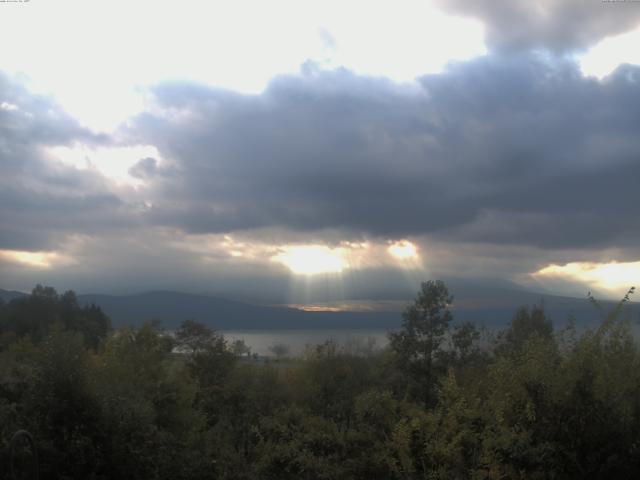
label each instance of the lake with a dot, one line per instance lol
(259, 341)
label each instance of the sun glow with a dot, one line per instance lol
(403, 250)
(101, 78)
(610, 276)
(311, 259)
(33, 259)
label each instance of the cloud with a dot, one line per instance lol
(503, 149)
(42, 201)
(329, 150)
(145, 168)
(495, 167)
(559, 26)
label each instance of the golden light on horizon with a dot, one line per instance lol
(403, 250)
(317, 308)
(311, 259)
(610, 276)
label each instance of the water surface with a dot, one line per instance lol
(297, 340)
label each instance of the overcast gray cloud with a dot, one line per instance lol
(329, 150)
(496, 160)
(503, 149)
(560, 26)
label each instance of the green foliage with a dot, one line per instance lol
(210, 363)
(193, 337)
(300, 446)
(452, 444)
(147, 404)
(527, 323)
(417, 346)
(37, 314)
(434, 405)
(66, 412)
(329, 380)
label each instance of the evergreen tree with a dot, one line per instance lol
(418, 345)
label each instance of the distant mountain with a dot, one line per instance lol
(8, 295)
(494, 305)
(491, 305)
(488, 305)
(173, 307)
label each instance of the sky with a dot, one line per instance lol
(302, 151)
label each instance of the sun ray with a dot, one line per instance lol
(311, 259)
(403, 250)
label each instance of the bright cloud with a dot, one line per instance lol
(610, 276)
(607, 55)
(301, 259)
(8, 106)
(69, 49)
(403, 250)
(39, 260)
(112, 162)
(311, 259)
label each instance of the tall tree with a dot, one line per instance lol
(418, 345)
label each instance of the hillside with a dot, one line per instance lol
(173, 307)
(491, 306)
(488, 305)
(8, 295)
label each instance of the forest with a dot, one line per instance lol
(444, 400)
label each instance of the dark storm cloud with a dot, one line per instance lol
(328, 150)
(552, 154)
(560, 26)
(42, 201)
(514, 138)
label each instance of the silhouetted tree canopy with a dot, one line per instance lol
(418, 345)
(437, 403)
(35, 315)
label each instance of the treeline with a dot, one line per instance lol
(440, 402)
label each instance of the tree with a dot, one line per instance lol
(527, 323)
(464, 343)
(418, 345)
(280, 350)
(330, 379)
(193, 337)
(210, 362)
(68, 414)
(240, 348)
(36, 315)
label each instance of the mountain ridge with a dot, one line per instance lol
(491, 306)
